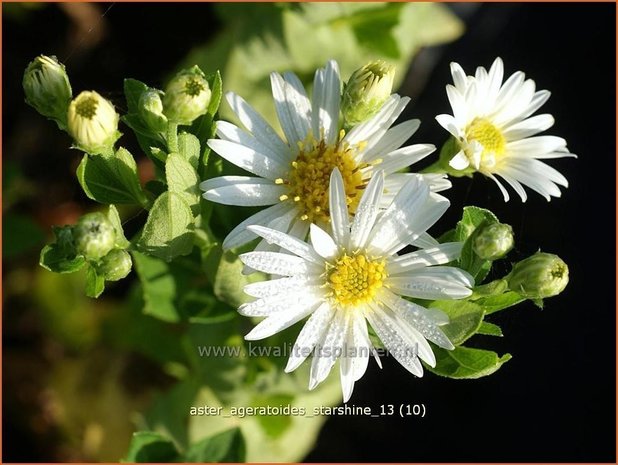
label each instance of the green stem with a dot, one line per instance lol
(172, 137)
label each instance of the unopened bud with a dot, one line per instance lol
(93, 123)
(187, 96)
(539, 276)
(115, 265)
(94, 236)
(47, 88)
(366, 91)
(151, 110)
(493, 241)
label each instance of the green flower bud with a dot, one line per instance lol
(115, 265)
(493, 241)
(94, 236)
(539, 276)
(93, 123)
(186, 97)
(47, 88)
(151, 110)
(366, 91)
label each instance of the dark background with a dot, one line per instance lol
(555, 400)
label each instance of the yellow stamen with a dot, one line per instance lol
(491, 139)
(355, 279)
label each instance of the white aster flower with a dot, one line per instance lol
(293, 174)
(495, 131)
(355, 276)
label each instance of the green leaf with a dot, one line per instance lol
(95, 283)
(472, 220)
(189, 148)
(133, 90)
(467, 363)
(489, 329)
(60, 257)
(464, 319)
(496, 303)
(182, 179)
(147, 446)
(159, 287)
(168, 231)
(111, 179)
(20, 235)
(228, 446)
(230, 281)
(114, 218)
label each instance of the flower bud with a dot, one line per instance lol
(47, 88)
(94, 236)
(186, 97)
(366, 91)
(151, 110)
(115, 265)
(539, 276)
(93, 123)
(493, 241)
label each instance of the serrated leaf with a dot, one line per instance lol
(464, 319)
(467, 363)
(60, 257)
(489, 329)
(182, 179)
(95, 283)
(168, 231)
(228, 446)
(147, 446)
(111, 179)
(189, 148)
(114, 218)
(159, 287)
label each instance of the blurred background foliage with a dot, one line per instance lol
(84, 374)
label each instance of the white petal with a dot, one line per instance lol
(340, 221)
(277, 263)
(424, 241)
(404, 157)
(459, 76)
(528, 127)
(458, 103)
(417, 316)
(273, 287)
(537, 102)
(229, 132)
(290, 104)
(326, 97)
(297, 96)
(287, 242)
(322, 243)
(328, 349)
(256, 194)
(241, 236)
(460, 161)
(257, 125)
(515, 184)
(313, 331)
(380, 122)
(387, 331)
(505, 193)
(248, 159)
(534, 146)
(367, 211)
(449, 123)
(432, 283)
(281, 302)
(282, 320)
(443, 253)
(391, 140)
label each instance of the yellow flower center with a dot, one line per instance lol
(87, 107)
(490, 137)
(309, 177)
(356, 279)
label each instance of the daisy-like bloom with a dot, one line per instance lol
(292, 175)
(355, 276)
(496, 133)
